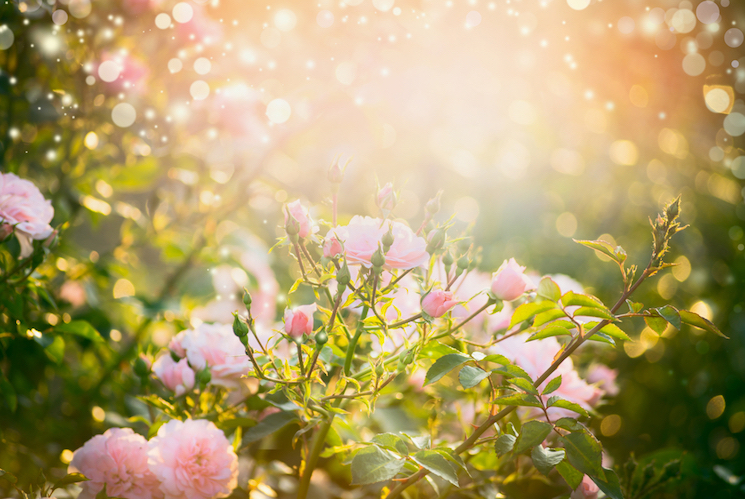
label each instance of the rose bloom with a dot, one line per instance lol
(193, 460)
(23, 206)
(509, 282)
(438, 302)
(535, 357)
(117, 459)
(332, 247)
(216, 346)
(299, 320)
(301, 214)
(362, 235)
(586, 490)
(176, 376)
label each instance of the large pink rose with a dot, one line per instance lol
(22, 206)
(216, 346)
(176, 376)
(193, 460)
(510, 282)
(362, 235)
(117, 459)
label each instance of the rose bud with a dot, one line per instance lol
(387, 197)
(332, 247)
(240, 328)
(336, 171)
(299, 219)
(510, 282)
(433, 205)
(299, 320)
(437, 302)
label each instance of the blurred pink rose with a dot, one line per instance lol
(332, 247)
(509, 282)
(438, 302)
(586, 490)
(176, 376)
(299, 320)
(73, 292)
(362, 235)
(117, 459)
(301, 214)
(386, 198)
(176, 345)
(604, 377)
(216, 346)
(193, 460)
(23, 206)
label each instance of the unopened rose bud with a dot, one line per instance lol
(437, 303)
(433, 205)
(387, 239)
(673, 210)
(204, 376)
(247, 300)
(378, 259)
(387, 198)
(343, 276)
(336, 172)
(448, 260)
(297, 220)
(142, 366)
(464, 244)
(436, 240)
(322, 337)
(332, 247)
(299, 320)
(463, 262)
(509, 282)
(240, 328)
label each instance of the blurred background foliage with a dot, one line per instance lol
(540, 121)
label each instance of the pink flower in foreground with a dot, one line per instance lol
(362, 235)
(23, 206)
(176, 345)
(193, 460)
(117, 459)
(332, 247)
(216, 346)
(438, 302)
(299, 320)
(176, 376)
(586, 490)
(509, 282)
(301, 214)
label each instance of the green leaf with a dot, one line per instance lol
(593, 312)
(610, 485)
(496, 358)
(80, 328)
(606, 249)
(570, 474)
(602, 338)
(420, 442)
(9, 393)
(565, 404)
(545, 459)
(531, 434)
(571, 298)
(519, 399)
(436, 464)
(549, 290)
(392, 442)
(56, 350)
(584, 452)
(444, 365)
(548, 316)
(634, 306)
(10, 477)
(529, 310)
(153, 430)
(552, 385)
(695, 320)
(69, 479)
(513, 371)
(471, 376)
(549, 331)
(525, 385)
(372, 465)
(615, 332)
(671, 315)
(504, 444)
(570, 424)
(453, 458)
(269, 425)
(656, 323)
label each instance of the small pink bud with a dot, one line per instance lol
(302, 222)
(387, 198)
(438, 302)
(510, 282)
(299, 320)
(332, 247)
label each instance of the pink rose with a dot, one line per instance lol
(387, 197)
(509, 282)
(193, 460)
(23, 207)
(438, 302)
(332, 247)
(301, 215)
(362, 235)
(117, 459)
(176, 376)
(176, 345)
(586, 490)
(299, 320)
(604, 377)
(216, 346)
(73, 292)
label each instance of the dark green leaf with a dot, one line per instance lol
(529, 310)
(269, 425)
(549, 331)
(9, 393)
(471, 376)
(565, 404)
(548, 289)
(372, 465)
(444, 365)
(695, 320)
(80, 328)
(570, 474)
(504, 444)
(569, 424)
(584, 452)
(436, 464)
(513, 371)
(552, 385)
(69, 479)
(525, 385)
(56, 349)
(545, 459)
(10, 477)
(531, 434)
(610, 485)
(391, 442)
(453, 458)
(671, 315)
(656, 323)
